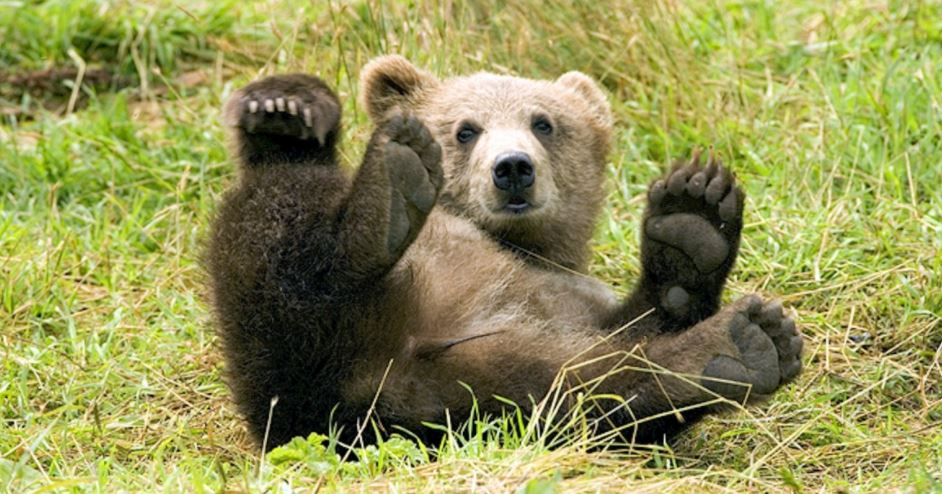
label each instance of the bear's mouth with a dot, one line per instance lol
(517, 204)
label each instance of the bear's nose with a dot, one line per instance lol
(513, 171)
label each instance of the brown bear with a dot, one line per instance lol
(447, 274)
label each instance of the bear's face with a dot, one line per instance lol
(520, 156)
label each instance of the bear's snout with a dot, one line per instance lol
(513, 172)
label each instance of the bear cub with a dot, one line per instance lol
(449, 271)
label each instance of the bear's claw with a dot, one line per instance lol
(293, 105)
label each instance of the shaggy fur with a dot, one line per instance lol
(419, 276)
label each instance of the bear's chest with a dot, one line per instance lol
(464, 282)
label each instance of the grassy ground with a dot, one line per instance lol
(829, 111)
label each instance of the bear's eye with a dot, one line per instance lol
(542, 126)
(465, 134)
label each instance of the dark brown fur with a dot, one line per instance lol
(328, 290)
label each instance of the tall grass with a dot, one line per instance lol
(829, 112)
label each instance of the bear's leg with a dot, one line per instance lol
(689, 242)
(296, 245)
(272, 243)
(743, 354)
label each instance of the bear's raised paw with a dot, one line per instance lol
(413, 161)
(393, 193)
(295, 106)
(695, 210)
(690, 238)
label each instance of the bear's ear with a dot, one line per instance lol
(586, 87)
(391, 81)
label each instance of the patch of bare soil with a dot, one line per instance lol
(55, 89)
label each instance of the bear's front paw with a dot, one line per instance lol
(413, 161)
(294, 105)
(690, 238)
(768, 351)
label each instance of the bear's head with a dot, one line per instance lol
(523, 159)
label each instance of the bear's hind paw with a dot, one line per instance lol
(769, 351)
(697, 210)
(690, 238)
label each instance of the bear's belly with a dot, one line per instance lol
(455, 284)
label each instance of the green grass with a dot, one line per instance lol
(830, 112)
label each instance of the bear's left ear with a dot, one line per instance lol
(586, 87)
(390, 81)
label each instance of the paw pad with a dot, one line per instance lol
(705, 246)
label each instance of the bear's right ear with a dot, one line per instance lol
(589, 90)
(390, 81)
